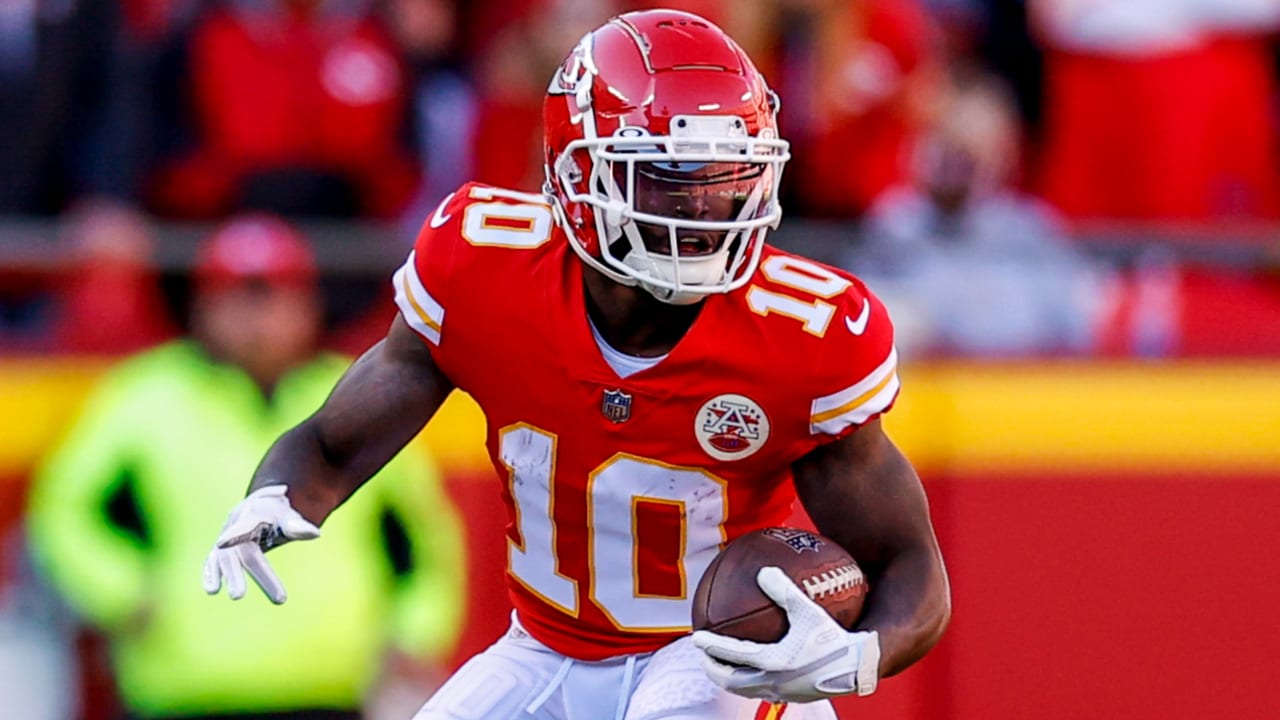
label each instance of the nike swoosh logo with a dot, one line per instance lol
(439, 218)
(859, 326)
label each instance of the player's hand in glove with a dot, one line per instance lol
(261, 521)
(816, 659)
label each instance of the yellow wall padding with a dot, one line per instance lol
(1186, 417)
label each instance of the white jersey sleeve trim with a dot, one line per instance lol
(420, 310)
(832, 414)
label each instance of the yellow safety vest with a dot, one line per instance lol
(172, 438)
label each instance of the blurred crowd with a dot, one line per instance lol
(342, 108)
(970, 142)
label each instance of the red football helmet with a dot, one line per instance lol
(662, 155)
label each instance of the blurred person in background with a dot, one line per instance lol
(109, 298)
(859, 79)
(156, 68)
(100, 296)
(968, 264)
(297, 107)
(37, 633)
(123, 508)
(443, 103)
(1164, 111)
(524, 43)
(64, 107)
(1159, 109)
(996, 34)
(69, 143)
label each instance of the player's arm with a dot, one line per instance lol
(863, 493)
(379, 405)
(381, 402)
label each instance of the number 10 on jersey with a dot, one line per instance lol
(614, 492)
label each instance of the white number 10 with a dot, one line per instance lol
(614, 491)
(807, 277)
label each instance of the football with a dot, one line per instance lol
(729, 602)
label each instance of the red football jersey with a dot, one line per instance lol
(620, 491)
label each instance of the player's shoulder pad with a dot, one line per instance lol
(858, 369)
(478, 217)
(848, 338)
(442, 229)
(456, 239)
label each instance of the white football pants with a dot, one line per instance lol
(519, 678)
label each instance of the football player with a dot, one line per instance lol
(657, 381)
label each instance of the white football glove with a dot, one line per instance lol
(261, 521)
(816, 659)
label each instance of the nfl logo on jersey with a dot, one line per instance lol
(616, 406)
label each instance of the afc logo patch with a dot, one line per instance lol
(798, 540)
(731, 427)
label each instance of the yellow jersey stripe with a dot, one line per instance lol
(853, 404)
(841, 398)
(419, 309)
(422, 314)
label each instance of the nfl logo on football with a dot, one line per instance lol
(797, 540)
(616, 406)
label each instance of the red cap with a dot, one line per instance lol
(255, 247)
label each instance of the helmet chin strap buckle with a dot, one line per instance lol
(567, 169)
